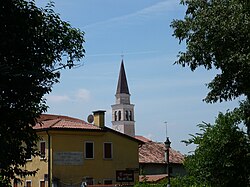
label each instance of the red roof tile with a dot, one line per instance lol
(56, 122)
(154, 152)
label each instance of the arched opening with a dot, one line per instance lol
(130, 116)
(126, 114)
(115, 115)
(119, 115)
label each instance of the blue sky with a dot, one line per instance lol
(139, 30)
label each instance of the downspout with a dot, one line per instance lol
(49, 161)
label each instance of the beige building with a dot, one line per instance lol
(75, 152)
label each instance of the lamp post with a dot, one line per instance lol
(167, 146)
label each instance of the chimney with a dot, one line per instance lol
(99, 118)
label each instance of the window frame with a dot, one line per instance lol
(85, 150)
(27, 182)
(42, 156)
(127, 115)
(119, 115)
(115, 115)
(42, 180)
(28, 158)
(111, 151)
(16, 182)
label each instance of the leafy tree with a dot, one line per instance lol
(222, 155)
(217, 36)
(187, 181)
(32, 43)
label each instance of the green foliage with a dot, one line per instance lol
(222, 155)
(217, 35)
(32, 43)
(244, 112)
(4, 182)
(187, 181)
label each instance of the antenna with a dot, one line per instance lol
(90, 118)
(166, 123)
(122, 55)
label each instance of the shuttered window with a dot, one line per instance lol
(108, 150)
(89, 150)
(42, 149)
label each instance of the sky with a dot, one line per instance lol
(139, 32)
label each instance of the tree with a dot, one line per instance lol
(34, 45)
(187, 181)
(217, 36)
(222, 155)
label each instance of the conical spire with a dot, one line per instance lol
(122, 86)
(123, 111)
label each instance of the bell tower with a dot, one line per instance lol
(123, 110)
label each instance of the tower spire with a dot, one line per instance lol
(123, 110)
(122, 86)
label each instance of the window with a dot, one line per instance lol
(119, 115)
(115, 115)
(170, 170)
(28, 154)
(42, 149)
(89, 181)
(107, 150)
(127, 119)
(28, 183)
(89, 150)
(107, 181)
(42, 184)
(16, 182)
(130, 116)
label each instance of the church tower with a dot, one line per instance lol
(123, 110)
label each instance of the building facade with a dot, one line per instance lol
(75, 153)
(152, 161)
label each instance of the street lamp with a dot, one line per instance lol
(167, 146)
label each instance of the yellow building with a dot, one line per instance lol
(76, 152)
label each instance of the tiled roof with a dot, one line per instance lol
(152, 178)
(46, 117)
(154, 152)
(48, 121)
(62, 122)
(143, 139)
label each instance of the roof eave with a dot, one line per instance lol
(124, 135)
